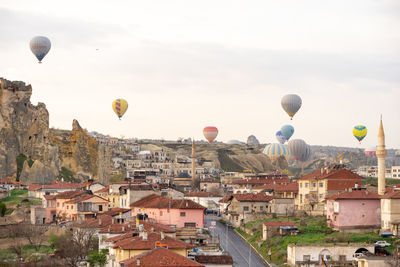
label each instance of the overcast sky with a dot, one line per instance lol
(183, 65)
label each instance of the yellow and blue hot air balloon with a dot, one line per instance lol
(120, 106)
(359, 132)
(275, 150)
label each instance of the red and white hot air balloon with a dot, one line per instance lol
(210, 133)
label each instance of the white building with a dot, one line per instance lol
(396, 172)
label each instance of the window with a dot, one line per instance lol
(342, 258)
(245, 208)
(305, 184)
(301, 185)
(314, 185)
(301, 198)
(183, 214)
(161, 213)
(261, 207)
(307, 196)
(58, 204)
(306, 257)
(100, 207)
(321, 184)
(321, 196)
(190, 224)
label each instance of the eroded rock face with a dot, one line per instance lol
(252, 141)
(24, 129)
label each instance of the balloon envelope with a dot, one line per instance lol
(276, 150)
(370, 152)
(299, 149)
(359, 132)
(291, 104)
(120, 106)
(280, 137)
(287, 131)
(40, 46)
(210, 133)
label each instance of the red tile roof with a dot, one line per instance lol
(99, 222)
(255, 181)
(339, 185)
(357, 194)
(59, 185)
(160, 257)
(210, 180)
(137, 243)
(332, 174)
(225, 199)
(249, 197)
(70, 194)
(103, 190)
(7, 181)
(131, 226)
(214, 259)
(279, 224)
(159, 202)
(266, 186)
(392, 195)
(49, 197)
(202, 194)
(291, 187)
(84, 198)
(116, 211)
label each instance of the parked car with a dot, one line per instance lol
(382, 243)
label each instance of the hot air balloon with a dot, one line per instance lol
(280, 137)
(291, 104)
(299, 149)
(120, 106)
(370, 152)
(287, 131)
(210, 133)
(40, 46)
(275, 150)
(359, 132)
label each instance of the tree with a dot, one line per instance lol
(74, 246)
(97, 257)
(3, 209)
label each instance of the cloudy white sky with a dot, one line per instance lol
(183, 65)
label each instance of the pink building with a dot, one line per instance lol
(355, 210)
(176, 212)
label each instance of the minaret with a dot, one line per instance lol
(381, 155)
(193, 164)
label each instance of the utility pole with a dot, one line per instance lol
(249, 254)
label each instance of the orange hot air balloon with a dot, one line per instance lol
(210, 133)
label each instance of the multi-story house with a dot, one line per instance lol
(174, 212)
(206, 199)
(390, 212)
(316, 187)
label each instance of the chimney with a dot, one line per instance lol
(138, 262)
(144, 236)
(350, 189)
(322, 170)
(99, 221)
(109, 228)
(366, 192)
(152, 229)
(112, 221)
(123, 228)
(187, 204)
(162, 235)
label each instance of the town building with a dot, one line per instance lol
(354, 211)
(210, 185)
(271, 229)
(173, 212)
(206, 199)
(390, 212)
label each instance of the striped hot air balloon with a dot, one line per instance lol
(40, 46)
(291, 104)
(275, 150)
(120, 106)
(210, 133)
(370, 152)
(299, 149)
(359, 132)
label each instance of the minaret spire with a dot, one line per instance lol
(193, 156)
(381, 155)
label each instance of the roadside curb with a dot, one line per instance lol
(253, 248)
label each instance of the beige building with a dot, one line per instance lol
(390, 212)
(210, 185)
(316, 187)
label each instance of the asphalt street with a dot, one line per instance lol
(231, 242)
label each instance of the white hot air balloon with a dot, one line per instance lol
(291, 104)
(40, 46)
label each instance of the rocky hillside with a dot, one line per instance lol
(31, 152)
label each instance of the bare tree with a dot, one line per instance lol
(74, 246)
(16, 233)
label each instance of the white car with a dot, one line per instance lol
(382, 243)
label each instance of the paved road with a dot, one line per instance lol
(232, 243)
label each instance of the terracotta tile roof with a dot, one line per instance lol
(49, 197)
(202, 194)
(255, 181)
(131, 226)
(103, 190)
(120, 237)
(214, 259)
(87, 197)
(159, 202)
(137, 243)
(266, 186)
(392, 195)
(116, 211)
(210, 180)
(225, 199)
(7, 181)
(279, 224)
(160, 257)
(70, 194)
(338, 185)
(291, 187)
(249, 197)
(357, 194)
(34, 187)
(332, 174)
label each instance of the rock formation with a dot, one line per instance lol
(252, 141)
(32, 152)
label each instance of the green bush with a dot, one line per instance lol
(20, 164)
(3, 209)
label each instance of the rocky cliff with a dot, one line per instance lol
(33, 153)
